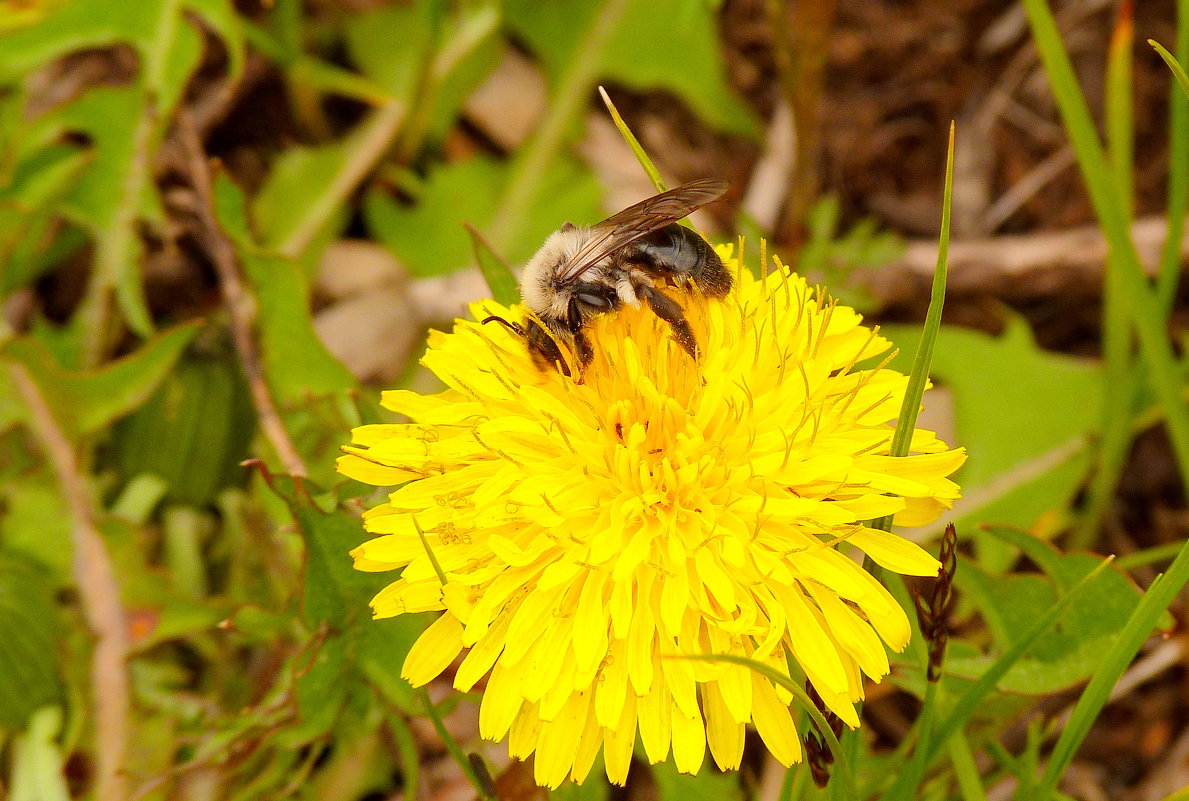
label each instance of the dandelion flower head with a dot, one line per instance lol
(595, 529)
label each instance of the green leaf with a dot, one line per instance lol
(709, 785)
(33, 523)
(428, 236)
(85, 402)
(918, 376)
(656, 44)
(440, 60)
(38, 764)
(29, 630)
(1072, 651)
(91, 24)
(1155, 603)
(304, 194)
(193, 432)
(27, 210)
(335, 593)
(1013, 413)
(296, 363)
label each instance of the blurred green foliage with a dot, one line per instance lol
(253, 664)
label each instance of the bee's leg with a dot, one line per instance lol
(543, 349)
(671, 312)
(582, 346)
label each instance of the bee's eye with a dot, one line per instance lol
(568, 226)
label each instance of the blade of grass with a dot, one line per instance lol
(842, 771)
(1173, 64)
(1120, 383)
(567, 102)
(970, 783)
(919, 377)
(1154, 345)
(932, 741)
(464, 762)
(633, 143)
(1139, 626)
(496, 272)
(1178, 161)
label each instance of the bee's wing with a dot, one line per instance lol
(635, 222)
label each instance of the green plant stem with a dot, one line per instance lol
(965, 769)
(451, 744)
(1157, 353)
(566, 105)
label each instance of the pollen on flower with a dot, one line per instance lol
(593, 530)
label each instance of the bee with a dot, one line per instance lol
(582, 272)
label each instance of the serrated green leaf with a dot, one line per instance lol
(296, 363)
(656, 44)
(1013, 411)
(1072, 651)
(335, 593)
(28, 625)
(428, 236)
(86, 24)
(85, 402)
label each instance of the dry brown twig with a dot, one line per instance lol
(240, 305)
(99, 593)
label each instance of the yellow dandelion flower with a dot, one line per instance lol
(593, 530)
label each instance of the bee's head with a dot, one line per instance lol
(538, 288)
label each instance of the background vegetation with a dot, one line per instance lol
(225, 225)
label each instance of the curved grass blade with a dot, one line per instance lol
(843, 772)
(633, 143)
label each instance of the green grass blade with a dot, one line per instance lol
(919, 377)
(1173, 65)
(1120, 122)
(969, 700)
(1119, 382)
(1178, 162)
(1155, 601)
(969, 781)
(633, 143)
(842, 770)
(496, 272)
(452, 746)
(1163, 371)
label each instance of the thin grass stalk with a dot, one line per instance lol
(1178, 168)
(1163, 370)
(1120, 384)
(918, 378)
